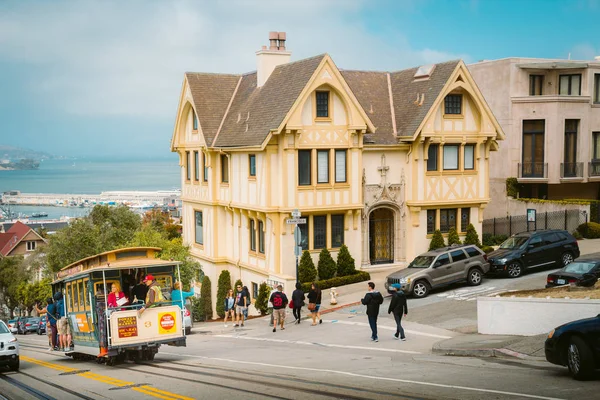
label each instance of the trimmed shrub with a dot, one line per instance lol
(437, 241)
(306, 268)
(512, 187)
(487, 249)
(326, 267)
(499, 239)
(453, 237)
(196, 308)
(360, 276)
(487, 239)
(577, 235)
(472, 237)
(206, 311)
(237, 283)
(262, 300)
(222, 288)
(345, 262)
(591, 230)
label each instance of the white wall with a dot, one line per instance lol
(528, 317)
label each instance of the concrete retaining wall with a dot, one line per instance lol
(529, 316)
(517, 207)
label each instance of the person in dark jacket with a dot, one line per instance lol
(280, 301)
(298, 300)
(398, 306)
(373, 299)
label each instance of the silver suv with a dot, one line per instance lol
(441, 267)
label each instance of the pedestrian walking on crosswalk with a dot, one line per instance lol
(398, 306)
(373, 299)
(280, 301)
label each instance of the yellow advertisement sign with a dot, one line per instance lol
(82, 323)
(167, 323)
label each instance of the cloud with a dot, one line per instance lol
(115, 58)
(584, 51)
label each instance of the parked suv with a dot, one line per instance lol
(549, 248)
(441, 267)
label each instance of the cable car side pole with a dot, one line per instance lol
(106, 308)
(181, 300)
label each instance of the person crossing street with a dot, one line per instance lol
(398, 306)
(373, 299)
(280, 301)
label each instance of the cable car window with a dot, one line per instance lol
(81, 294)
(74, 297)
(69, 297)
(86, 299)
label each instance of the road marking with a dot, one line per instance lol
(392, 328)
(318, 344)
(380, 378)
(161, 394)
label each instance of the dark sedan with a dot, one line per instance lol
(577, 346)
(41, 329)
(583, 271)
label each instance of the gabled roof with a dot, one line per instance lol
(234, 112)
(254, 111)
(211, 94)
(12, 237)
(372, 90)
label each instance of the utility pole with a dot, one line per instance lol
(296, 220)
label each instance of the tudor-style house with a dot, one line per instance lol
(373, 160)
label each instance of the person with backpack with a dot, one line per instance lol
(398, 306)
(297, 301)
(51, 317)
(280, 301)
(246, 292)
(373, 299)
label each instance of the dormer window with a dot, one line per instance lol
(453, 104)
(322, 100)
(424, 71)
(195, 121)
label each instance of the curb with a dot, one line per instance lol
(483, 353)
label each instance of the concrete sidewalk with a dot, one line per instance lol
(476, 345)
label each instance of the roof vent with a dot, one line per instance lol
(424, 71)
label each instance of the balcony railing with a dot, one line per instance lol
(571, 170)
(536, 170)
(594, 169)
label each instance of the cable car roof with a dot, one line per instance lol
(126, 258)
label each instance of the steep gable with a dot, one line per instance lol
(14, 236)
(254, 111)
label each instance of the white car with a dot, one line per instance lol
(12, 325)
(9, 348)
(188, 322)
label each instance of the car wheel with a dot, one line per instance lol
(421, 289)
(567, 258)
(579, 359)
(474, 278)
(514, 269)
(15, 365)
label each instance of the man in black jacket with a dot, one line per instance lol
(373, 299)
(398, 306)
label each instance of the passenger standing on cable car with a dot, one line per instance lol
(140, 291)
(154, 293)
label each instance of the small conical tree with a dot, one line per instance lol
(262, 301)
(437, 241)
(345, 262)
(472, 237)
(453, 237)
(326, 267)
(222, 289)
(206, 311)
(306, 268)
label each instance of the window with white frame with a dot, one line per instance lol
(199, 227)
(323, 166)
(469, 156)
(31, 245)
(340, 166)
(451, 157)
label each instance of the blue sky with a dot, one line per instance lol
(102, 78)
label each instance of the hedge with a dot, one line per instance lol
(591, 230)
(360, 276)
(487, 249)
(512, 187)
(490, 240)
(437, 241)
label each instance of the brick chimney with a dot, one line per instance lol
(269, 58)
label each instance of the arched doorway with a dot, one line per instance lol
(381, 236)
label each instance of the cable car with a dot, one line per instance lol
(127, 330)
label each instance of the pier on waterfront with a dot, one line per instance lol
(132, 199)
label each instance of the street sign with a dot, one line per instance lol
(531, 215)
(295, 221)
(297, 251)
(296, 213)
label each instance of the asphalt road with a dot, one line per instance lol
(332, 360)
